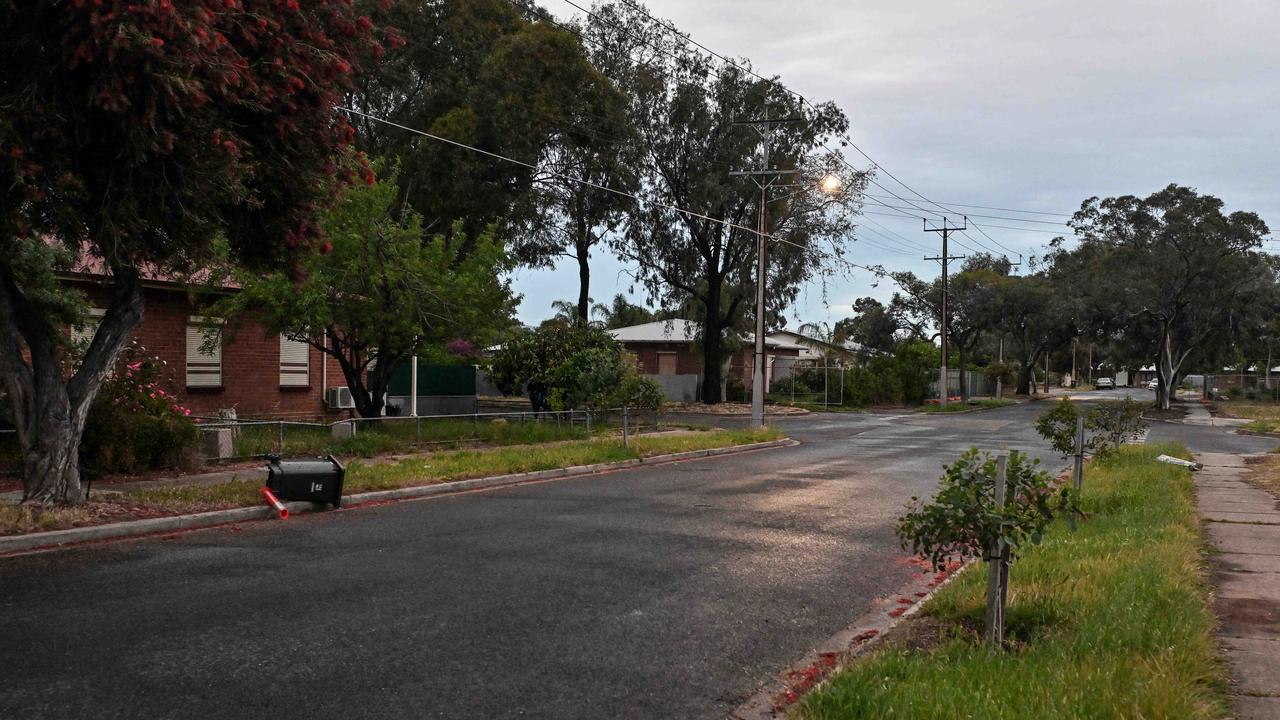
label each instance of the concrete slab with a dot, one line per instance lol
(1253, 665)
(1236, 562)
(1221, 460)
(1249, 618)
(1248, 585)
(1260, 497)
(1249, 707)
(1260, 518)
(1240, 538)
(1208, 506)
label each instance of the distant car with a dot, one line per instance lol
(1153, 385)
(1105, 384)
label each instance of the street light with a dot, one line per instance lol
(830, 184)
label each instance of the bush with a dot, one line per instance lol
(134, 424)
(962, 521)
(1057, 425)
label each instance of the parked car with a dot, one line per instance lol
(1105, 384)
(1153, 385)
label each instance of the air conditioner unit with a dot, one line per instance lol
(339, 398)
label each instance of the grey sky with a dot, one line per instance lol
(1029, 104)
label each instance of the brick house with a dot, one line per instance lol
(666, 352)
(257, 374)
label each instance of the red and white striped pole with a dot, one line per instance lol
(274, 502)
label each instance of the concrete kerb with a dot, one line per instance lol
(863, 635)
(53, 539)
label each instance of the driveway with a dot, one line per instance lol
(660, 592)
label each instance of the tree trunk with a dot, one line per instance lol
(584, 281)
(964, 375)
(711, 349)
(49, 408)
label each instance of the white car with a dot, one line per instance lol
(1153, 385)
(1105, 384)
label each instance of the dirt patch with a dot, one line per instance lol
(731, 409)
(1173, 413)
(1264, 473)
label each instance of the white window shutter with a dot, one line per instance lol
(203, 369)
(294, 363)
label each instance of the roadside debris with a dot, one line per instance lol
(1179, 461)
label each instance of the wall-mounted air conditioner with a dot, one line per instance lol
(339, 398)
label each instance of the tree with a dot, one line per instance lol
(970, 309)
(1178, 265)
(476, 72)
(570, 213)
(533, 357)
(133, 136)
(381, 292)
(686, 109)
(621, 313)
(874, 325)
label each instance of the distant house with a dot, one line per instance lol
(668, 353)
(256, 374)
(814, 350)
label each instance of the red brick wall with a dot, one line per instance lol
(250, 363)
(688, 362)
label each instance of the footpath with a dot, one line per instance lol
(1243, 527)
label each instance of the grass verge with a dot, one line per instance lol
(971, 405)
(426, 469)
(1262, 426)
(1249, 409)
(1109, 621)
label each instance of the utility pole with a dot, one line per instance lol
(1073, 362)
(765, 178)
(943, 389)
(1000, 377)
(1090, 363)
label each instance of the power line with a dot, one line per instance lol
(551, 173)
(1004, 209)
(686, 38)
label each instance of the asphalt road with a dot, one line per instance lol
(661, 592)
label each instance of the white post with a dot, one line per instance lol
(413, 385)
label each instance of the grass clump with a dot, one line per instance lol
(1262, 426)
(1111, 620)
(971, 405)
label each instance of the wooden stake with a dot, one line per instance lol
(997, 569)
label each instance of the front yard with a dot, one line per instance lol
(363, 476)
(1263, 416)
(1112, 620)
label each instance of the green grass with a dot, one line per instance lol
(1250, 409)
(1264, 426)
(424, 469)
(402, 435)
(1110, 621)
(971, 405)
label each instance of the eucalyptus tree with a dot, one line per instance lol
(692, 238)
(1177, 267)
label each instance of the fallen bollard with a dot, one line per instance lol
(274, 502)
(1179, 461)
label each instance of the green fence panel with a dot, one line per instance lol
(434, 380)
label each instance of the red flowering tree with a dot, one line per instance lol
(136, 134)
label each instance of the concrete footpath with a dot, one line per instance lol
(1243, 527)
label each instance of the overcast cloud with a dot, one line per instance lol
(1029, 104)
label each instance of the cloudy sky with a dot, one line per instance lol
(1025, 104)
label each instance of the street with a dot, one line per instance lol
(662, 592)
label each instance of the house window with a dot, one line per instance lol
(294, 363)
(666, 363)
(204, 369)
(83, 334)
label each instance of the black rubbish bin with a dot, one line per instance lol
(317, 480)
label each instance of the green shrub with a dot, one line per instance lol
(134, 424)
(1057, 425)
(962, 519)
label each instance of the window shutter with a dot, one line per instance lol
(84, 333)
(294, 363)
(203, 369)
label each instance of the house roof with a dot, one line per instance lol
(800, 340)
(678, 331)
